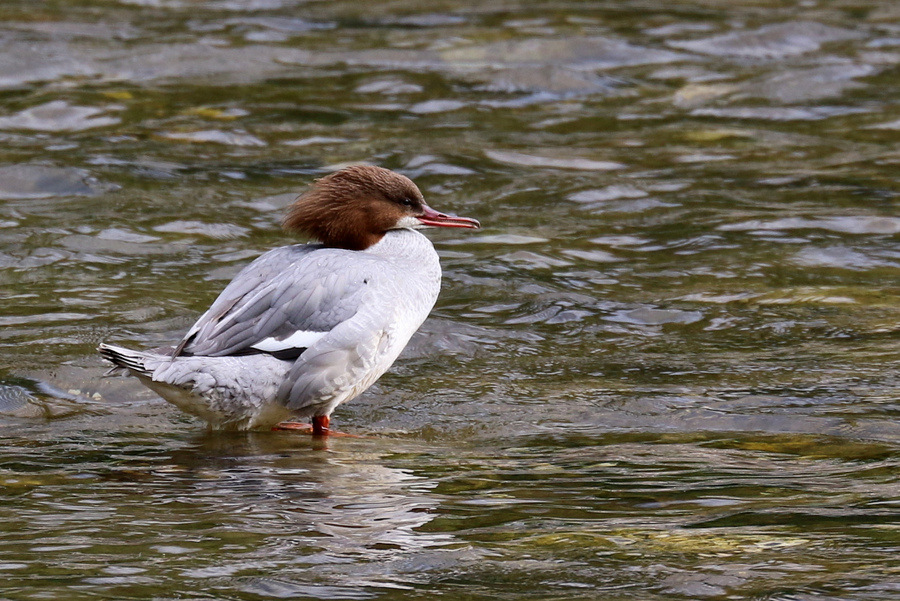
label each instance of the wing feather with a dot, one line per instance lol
(301, 288)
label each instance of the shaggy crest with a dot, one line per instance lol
(353, 208)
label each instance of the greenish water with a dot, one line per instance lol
(665, 369)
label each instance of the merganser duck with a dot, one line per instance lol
(304, 328)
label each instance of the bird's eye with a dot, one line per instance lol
(407, 202)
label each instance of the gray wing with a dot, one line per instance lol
(286, 299)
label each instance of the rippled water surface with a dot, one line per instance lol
(665, 369)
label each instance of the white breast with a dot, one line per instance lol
(399, 297)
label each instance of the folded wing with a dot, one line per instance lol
(282, 303)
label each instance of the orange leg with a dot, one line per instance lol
(320, 425)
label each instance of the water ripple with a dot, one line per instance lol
(665, 368)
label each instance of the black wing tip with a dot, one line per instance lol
(122, 357)
(288, 354)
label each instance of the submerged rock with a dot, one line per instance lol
(42, 181)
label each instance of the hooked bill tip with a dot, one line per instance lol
(435, 219)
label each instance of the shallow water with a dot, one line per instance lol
(666, 368)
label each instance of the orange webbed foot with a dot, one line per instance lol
(319, 427)
(303, 428)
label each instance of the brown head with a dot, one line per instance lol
(355, 207)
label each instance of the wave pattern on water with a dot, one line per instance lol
(667, 368)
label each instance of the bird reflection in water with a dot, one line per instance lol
(341, 506)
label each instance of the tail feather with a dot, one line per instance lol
(228, 392)
(123, 357)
